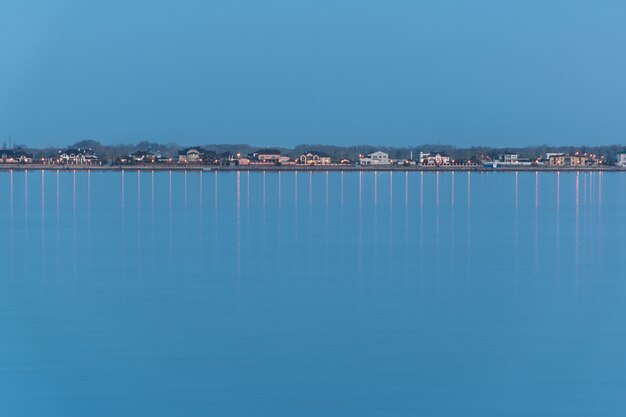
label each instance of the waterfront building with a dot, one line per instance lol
(314, 158)
(15, 156)
(434, 159)
(76, 156)
(620, 160)
(268, 156)
(139, 157)
(564, 160)
(190, 155)
(196, 155)
(508, 158)
(512, 159)
(375, 158)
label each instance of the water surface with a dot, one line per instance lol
(311, 294)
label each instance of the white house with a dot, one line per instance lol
(77, 156)
(188, 155)
(375, 158)
(434, 159)
(509, 158)
(314, 158)
(620, 160)
(268, 156)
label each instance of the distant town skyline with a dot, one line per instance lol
(484, 73)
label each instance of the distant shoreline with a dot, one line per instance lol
(305, 168)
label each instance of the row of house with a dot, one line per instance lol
(576, 160)
(426, 159)
(273, 156)
(377, 158)
(16, 156)
(554, 159)
(436, 159)
(68, 156)
(200, 156)
(75, 156)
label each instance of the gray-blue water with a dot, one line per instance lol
(324, 294)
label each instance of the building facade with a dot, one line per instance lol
(197, 155)
(375, 158)
(434, 159)
(568, 161)
(77, 157)
(15, 156)
(314, 158)
(190, 155)
(268, 156)
(139, 157)
(509, 158)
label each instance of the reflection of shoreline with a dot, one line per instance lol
(296, 168)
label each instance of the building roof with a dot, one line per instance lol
(194, 148)
(142, 154)
(15, 153)
(566, 155)
(318, 153)
(77, 151)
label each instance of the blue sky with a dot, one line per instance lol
(285, 72)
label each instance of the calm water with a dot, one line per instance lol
(373, 294)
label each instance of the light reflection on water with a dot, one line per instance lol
(118, 296)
